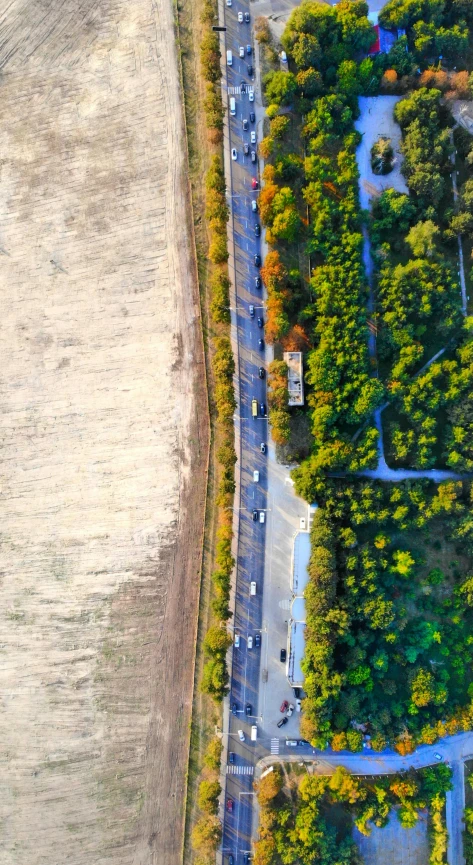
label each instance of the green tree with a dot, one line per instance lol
(207, 798)
(280, 87)
(217, 640)
(423, 238)
(206, 834)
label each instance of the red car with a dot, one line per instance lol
(230, 805)
(254, 183)
(284, 706)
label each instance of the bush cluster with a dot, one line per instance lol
(211, 73)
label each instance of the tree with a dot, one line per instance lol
(210, 57)
(215, 679)
(206, 834)
(280, 87)
(306, 51)
(207, 798)
(422, 239)
(345, 787)
(220, 297)
(278, 126)
(309, 82)
(217, 640)
(382, 155)
(213, 754)
(213, 107)
(268, 787)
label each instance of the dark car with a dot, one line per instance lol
(260, 322)
(254, 182)
(246, 858)
(231, 757)
(296, 692)
(250, 69)
(246, 148)
(248, 708)
(245, 125)
(282, 721)
(257, 260)
(255, 516)
(257, 282)
(234, 708)
(231, 860)
(252, 117)
(262, 447)
(257, 641)
(262, 409)
(257, 229)
(261, 344)
(283, 656)
(261, 372)
(243, 86)
(247, 17)
(230, 805)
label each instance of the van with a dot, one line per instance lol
(291, 743)
(237, 641)
(232, 106)
(253, 588)
(254, 733)
(254, 407)
(256, 476)
(229, 58)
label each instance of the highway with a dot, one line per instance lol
(253, 496)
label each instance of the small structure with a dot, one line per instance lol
(385, 39)
(295, 382)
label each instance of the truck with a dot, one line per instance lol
(254, 407)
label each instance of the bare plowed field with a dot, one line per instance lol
(103, 436)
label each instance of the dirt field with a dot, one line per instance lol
(104, 436)
(394, 845)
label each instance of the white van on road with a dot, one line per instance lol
(229, 58)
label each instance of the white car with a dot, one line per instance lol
(241, 735)
(283, 57)
(234, 154)
(229, 2)
(242, 51)
(291, 743)
(256, 476)
(298, 705)
(290, 710)
(254, 206)
(240, 17)
(237, 641)
(251, 94)
(253, 137)
(302, 523)
(250, 642)
(261, 516)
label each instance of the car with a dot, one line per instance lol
(237, 640)
(261, 372)
(291, 743)
(251, 95)
(248, 709)
(254, 182)
(283, 656)
(256, 476)
(302, 523)
(257, 282)
(262, 447)
(262, 409)
(229, 2)
(298, 705)
(231, 757)
(250, 69)
(252, 593)
(230, 805)
(255, 515)
(247, 17)
(244, 123)
(257, 229)
(252, 310)
(257, 641)
(281, 722)
(296, 692)
(242, 51)
(262, 516)
(253, 156)
(260, 322)
(254, 206)
(242, 86)
(246, 858)
(438, 756)
(283, 57)
(246, 148)
(248, 49)
(303, 742)
(231, 860)
(241, 735)
(240, 17)
(257, 260)
(252, 137)
(234, 708)
(252, 117)
(250, 642)
(290, 710)
(284, 706)
(261, 344)
(234, 153)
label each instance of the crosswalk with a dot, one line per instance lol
(274, 746)
(236, 91)
(239, 770)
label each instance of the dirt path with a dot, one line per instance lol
(104, 436)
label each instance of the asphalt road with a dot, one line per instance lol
(250, 560)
